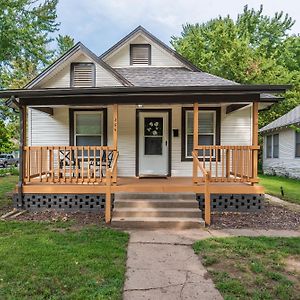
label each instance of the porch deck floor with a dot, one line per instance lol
(143, 185)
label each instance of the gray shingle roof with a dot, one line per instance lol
(290, 118)
(157, 76)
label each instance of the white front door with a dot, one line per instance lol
(153, 143)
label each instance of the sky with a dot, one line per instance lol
(101, 23)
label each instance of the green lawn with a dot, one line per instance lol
(291, 187)
(253, 268)
(7, 185)
(44, 261)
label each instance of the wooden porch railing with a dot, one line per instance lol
(228, 163)
(68, 164)
(223, 164)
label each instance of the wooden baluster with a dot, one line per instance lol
(101, 151)
(95, 165)
(29, 169)
(64, 164)
(228, 164)
(222, 160)
(210, 159)
(76, 163)
(40, 165)
(88, 164)
(235, 162)
(71, 165)
(82, 164)
(52, 165)
(217, 162)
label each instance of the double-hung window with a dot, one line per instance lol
(272, 146)
(208, 130)
(297, 144)
(88, 128)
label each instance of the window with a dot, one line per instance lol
(82, 75)
(297, 146)
(140, 54)
(275, 145)
(88, 128)
(272, 146)
(208, 130)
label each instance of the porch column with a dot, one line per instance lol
(23, 111)
(115, 138)
(254, 138)
(195, 140)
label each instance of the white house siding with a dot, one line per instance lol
(54, 130)
(287, 164)
(159, 56)
(62, 79)
(45, 130)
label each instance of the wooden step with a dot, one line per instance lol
(157, 212)
(156, 223)
(160, 196)
(155, 203)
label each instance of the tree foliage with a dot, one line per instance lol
(254, 48)
(27, 36)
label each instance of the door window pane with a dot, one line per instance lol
(84, 140)
(153, 145)
(153, 126)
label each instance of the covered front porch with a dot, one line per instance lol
(214, 169)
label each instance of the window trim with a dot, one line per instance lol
(82, 63)
(217, 125)
(296, 156)
(72, 123)
(140, 45)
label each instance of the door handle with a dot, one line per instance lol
(166, 143)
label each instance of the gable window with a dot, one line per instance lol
(88, 127)
(208, 129)
(297, 146)
(140, 54)
(82, 75)
(272, 146)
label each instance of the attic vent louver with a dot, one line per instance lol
(140, 54)
(83, 75)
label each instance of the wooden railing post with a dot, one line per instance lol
(227, 163)
(115, 138)
(254, 139)
(195, 140)
(108, 197)
(207, 208)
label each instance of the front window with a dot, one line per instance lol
(88, 128)
(297, 146)
(207, 130)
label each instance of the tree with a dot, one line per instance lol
(253, 49)
(27, 30)
(64, 43)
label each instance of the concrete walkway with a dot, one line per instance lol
(161, 264)
(278, 201)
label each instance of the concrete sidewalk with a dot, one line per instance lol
(161, 264)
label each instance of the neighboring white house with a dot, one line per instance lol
(281, 151)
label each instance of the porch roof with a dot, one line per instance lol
(136, 95)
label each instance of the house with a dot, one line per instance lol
(281, 145)
(139, 119)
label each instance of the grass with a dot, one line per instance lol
(273, 184)
(252, 267)
(50, 261)
(7, 185)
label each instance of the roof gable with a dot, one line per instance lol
(78, 53)
(139, 36)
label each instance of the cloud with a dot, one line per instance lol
(100, 23)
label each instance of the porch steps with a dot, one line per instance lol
(153, 211)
